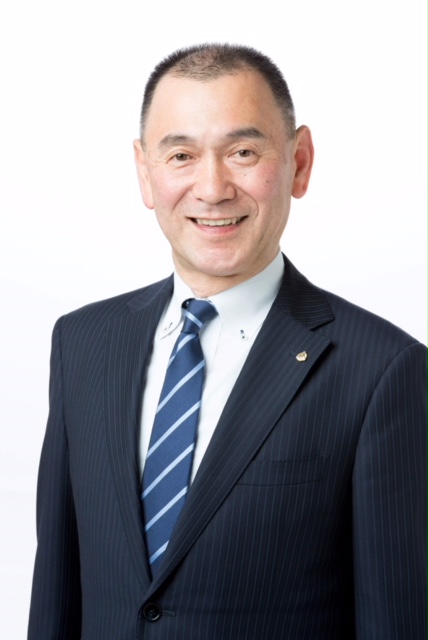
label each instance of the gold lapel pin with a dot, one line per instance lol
(302, 356)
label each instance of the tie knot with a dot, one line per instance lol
(196, 314)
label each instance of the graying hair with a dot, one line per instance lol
(209, 61)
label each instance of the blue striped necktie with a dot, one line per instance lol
(169, 459)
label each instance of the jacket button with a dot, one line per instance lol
(152, 611)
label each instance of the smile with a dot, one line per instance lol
(224, 222)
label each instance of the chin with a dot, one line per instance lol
(219, 269)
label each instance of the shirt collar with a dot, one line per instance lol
(241, 309)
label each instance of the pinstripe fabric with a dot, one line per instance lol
(306, 517)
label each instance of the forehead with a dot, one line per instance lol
(239, 100)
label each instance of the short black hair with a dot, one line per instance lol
(209, 61)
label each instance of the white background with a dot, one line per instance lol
(73, 228)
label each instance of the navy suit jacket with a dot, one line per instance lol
(306, 519)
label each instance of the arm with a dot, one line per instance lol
(55, 612)
(389, 505)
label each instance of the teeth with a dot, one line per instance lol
(225, 222)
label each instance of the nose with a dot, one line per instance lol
(213, 182)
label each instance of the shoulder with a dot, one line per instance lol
(359, 325)
(345, 323)
(96, 315)
(365, 347)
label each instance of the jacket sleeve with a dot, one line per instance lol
(389, 505)
(55, 612)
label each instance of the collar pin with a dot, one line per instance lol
(302, 356)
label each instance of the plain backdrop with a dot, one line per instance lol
(74, 230)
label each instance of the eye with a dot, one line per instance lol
(244, 156)
(180, 157)
(245, 153)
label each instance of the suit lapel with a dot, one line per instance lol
(267, 384)
(129, 344)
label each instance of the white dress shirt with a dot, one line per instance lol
(226, 341)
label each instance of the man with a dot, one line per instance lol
(303, 516)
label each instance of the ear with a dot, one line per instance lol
(143, 174)
(303, 159)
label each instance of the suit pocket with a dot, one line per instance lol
(284, 472)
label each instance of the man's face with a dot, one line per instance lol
(219, 171)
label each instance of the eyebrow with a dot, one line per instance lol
(172, 139)
(246, 132)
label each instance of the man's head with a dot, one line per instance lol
(210, 61)
(218, 162)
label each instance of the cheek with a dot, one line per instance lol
(167, 191)
(273, 196)
(269, 187)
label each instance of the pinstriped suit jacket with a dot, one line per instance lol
(306, 518)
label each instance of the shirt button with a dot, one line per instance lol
(152, 611)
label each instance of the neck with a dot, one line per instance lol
(204, 285)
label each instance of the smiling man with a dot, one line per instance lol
(219, 168)
(232, 452)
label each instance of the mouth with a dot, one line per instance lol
(223, 222)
